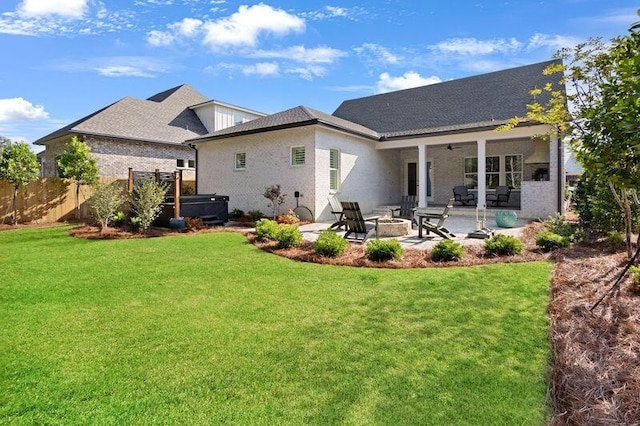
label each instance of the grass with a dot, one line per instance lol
(206, 329)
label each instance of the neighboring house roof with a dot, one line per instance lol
(162, 118)
(478, 101)
(294, 117)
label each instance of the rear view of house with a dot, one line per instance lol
(422, 141)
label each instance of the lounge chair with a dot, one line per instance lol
(501, 195)
(356, 224)
(462, 195)
(407, 209)
(436, 228)
(336, 210)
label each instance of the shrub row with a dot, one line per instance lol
(287, 236)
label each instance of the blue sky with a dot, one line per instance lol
(64, 59)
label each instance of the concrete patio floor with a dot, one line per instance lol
(460, 226)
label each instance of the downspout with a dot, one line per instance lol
(561, 180)
(193, 146)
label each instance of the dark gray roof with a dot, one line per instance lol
(294, 117)
(164, 118)
(455, 104)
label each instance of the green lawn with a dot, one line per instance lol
(206, 329)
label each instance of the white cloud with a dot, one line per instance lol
(329, 12)
(387, 83)
(244, 27)
(16, 109)
(308, 72)
(316, 55)
(72, 9)
(381, 54)
(160, 38)
(188, 27)
(555, 42)
(473, 46)
(262, 69)
(123, 71)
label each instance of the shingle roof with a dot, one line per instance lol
(164, 118)
(294, 117)
(455, 104)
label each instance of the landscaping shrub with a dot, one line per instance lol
(119, 218)
(634, 273)
(288, 236)
(614, 239)
(381, 250)
(548, 241)
(236, 213)
(145, 201)
(105, 202)
(136, 223)
(502, 245)
(193, 224)
(276, 198)
(330, 244)
(447, 251)
(557, 224)
(266, 229)
(255, 215)
(289, 219)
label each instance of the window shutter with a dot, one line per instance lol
(334, 169)
(297, 156)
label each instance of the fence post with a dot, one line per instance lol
(176, 194)
(130, 186)
(158, 176)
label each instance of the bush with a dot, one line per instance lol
(447, 251)
(105, 202)
(145, 201)
(381, 250)
(557, 224)
(255, 215)
(548, 241)
(119, 218)
(288, 236)
(634, 273)
(502, 245)
(290, 218)
(266, 229)
(136, 222)
(330, 244)
(614, 239)
(236, 213)
(276, 198)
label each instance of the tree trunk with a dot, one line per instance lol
(623, 201)
(77, 200)
(14, 219)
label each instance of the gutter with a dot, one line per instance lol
(195, 148)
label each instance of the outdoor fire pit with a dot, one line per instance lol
(393, 227)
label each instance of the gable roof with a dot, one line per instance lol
(163, 118)
(294, 117)
(472, 102)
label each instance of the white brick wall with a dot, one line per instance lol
(267, 163)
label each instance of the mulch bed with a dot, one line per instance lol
(596, 367)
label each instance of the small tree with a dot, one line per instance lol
(77, 163)
(275, 196)
(145, 201)
(18, 166)
(105, 203)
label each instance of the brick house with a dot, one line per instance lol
(421, 141)
(145, 134)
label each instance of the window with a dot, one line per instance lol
(334, 169)
(241, 160)
(179, 163)
(500, 170)
(297, 156)
(192, 164)
(513, 170)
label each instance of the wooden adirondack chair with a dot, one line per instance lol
(407, 209)
(356, 223)
(437, 228)
(336, 210)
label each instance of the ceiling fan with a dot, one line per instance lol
(451, 148)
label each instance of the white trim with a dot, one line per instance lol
(291, 156)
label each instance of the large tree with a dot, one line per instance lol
(77, 163)
(18, 166)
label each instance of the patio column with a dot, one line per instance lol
(422, 176)
(482, 174)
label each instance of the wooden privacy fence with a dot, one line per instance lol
(49, 200)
